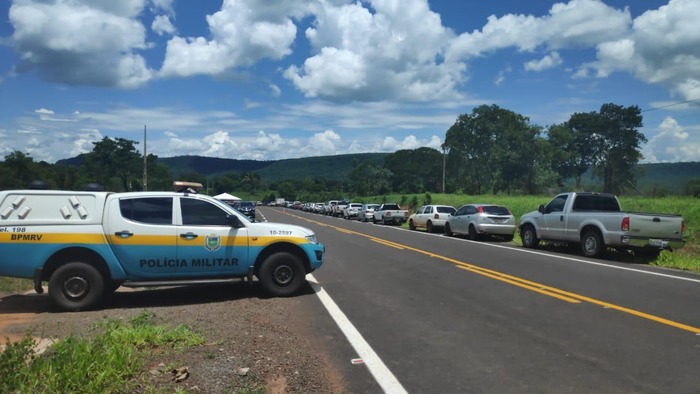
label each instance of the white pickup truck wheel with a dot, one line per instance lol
(529, 237)
(76, 286)
(592, 244)
(281, 274)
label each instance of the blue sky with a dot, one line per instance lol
(275, 79)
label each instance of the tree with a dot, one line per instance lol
(567, 157)
(492, 149)
(369, 179)
(115, 158)
(20, 170)
(693, 188)
(415, 170)
(618, 146)
(250, 181)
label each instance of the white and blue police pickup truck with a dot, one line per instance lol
(87, 244)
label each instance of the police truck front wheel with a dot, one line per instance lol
(76, 286)
(281, 274)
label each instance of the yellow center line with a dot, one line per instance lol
(516, 281)
(383, 242)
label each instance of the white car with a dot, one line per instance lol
(430, 217)
(479, 220)
(350, 211)
(366, 213)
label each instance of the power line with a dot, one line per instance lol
(671, 105)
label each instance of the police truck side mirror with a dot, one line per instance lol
(234, 221)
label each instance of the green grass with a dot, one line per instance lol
(687, 258)
(14, 285)
(110, 362)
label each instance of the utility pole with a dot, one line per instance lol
(145, 161)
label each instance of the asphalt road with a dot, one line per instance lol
(450, 315)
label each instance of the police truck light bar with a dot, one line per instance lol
(190, 187)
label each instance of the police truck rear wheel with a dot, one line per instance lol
(281, 275)
(76, 286)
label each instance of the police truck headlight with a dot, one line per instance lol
(312, 239)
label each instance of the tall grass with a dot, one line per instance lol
(111, 362)
(14, 285)
(687, 258)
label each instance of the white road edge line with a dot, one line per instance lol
(386, 380)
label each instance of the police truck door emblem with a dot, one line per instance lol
(212, 242)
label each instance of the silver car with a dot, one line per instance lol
(480, 220)
(366, 213)
(351, 210)
(431, 217)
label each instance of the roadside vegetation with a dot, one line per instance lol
(14, 285)
(110, 361)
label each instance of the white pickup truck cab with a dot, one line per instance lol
(87, 244)
(596, 221)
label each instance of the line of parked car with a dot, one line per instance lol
(593, 221)
(475, 221)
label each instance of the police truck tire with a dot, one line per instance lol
(76, 286)
(281, 274)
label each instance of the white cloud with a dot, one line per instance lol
(81, 43)
(550, 61)
(275, 90)
(578, 23)
(672, 143)
(324, 144)
(162, 25)
(243, 32)
(390, 53)
(391, 144)
(162, 5)
(269, 142)
(663, 47)
(501, 77)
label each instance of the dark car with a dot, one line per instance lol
(247, 208)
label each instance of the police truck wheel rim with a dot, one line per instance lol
(76, 286)
(283, 275)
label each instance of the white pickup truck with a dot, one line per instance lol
(596, 221)
(87, 244)
(390, 213)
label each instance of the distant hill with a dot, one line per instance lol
(328, 167)
(653, 179)
(666, 177)
(211, 165)
(656, 178)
